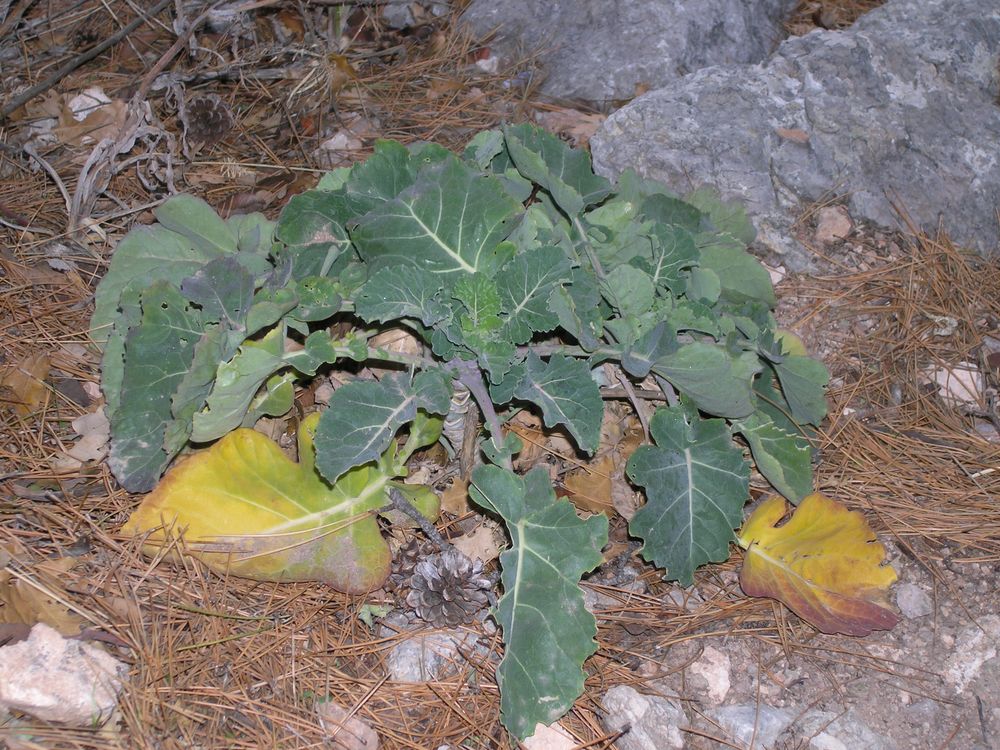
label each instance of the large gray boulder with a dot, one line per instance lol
(601, 51)
(900, 108)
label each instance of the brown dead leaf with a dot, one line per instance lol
(455, 498)
(590, 486)
(345, 731)
(35, 597)
(22, 387)
(573, 124)
(480, 543)
(89, 117)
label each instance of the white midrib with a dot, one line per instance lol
(315, 518)
(441, 243)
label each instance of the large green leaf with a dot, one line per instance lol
(673, 251)
(159, 355)
(144, 256)
(525, 284)
(714, 379)
(741, 275)
(397, 292)
(577, 305)
(696, 483)
(726, 216)
(803, 381)
(246, 509)
(312, 229)
(564, 172)
(195, 220)
(451, 220)
(548, 633)
(567, 395)
(784, 458)
(364, 416)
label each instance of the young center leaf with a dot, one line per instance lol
(696, 482)
(825, 564)
(548, 633)
(244, 508)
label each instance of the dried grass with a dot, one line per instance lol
(228, 663)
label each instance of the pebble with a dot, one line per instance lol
(913, 601)
(834, 224)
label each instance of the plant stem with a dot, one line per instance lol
(398, 501)
(471, 377)
(591, 255)
(637, 404)
(668, 391)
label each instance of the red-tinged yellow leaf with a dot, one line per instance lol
(245, 508)
(824, 564)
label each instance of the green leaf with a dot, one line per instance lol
(311, 226)
(195, 220)
(450, 221)
(548, 633)
(525, 284)
(364, 416)
(146, 255)
(696, 483)
(319, 299)
(577, 305)
(803, 381)
(727, 216)
(671, 211)
(639, 358)
(629, 290)
(254, 233)
(483, 147)
(236, 384)
(159, 352)
(481, 298)
(567, 395)
(741, 275)
(714, 379)
(704, 286)
(785, 459)
(564, 172)
(246, 509)
(673, 252)
(397, 292)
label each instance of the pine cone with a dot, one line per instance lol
(208, 120)
(406, 560)
(448, 589)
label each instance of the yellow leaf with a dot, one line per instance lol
(38, 596)
(825, 564)
(245, 508)
(23, 385)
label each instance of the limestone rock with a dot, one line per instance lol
(654, 721)
(59, 679)
(600, 51)
(901, 106)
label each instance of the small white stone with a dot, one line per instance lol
(713, 666)
(913, 601)
(59, 679)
